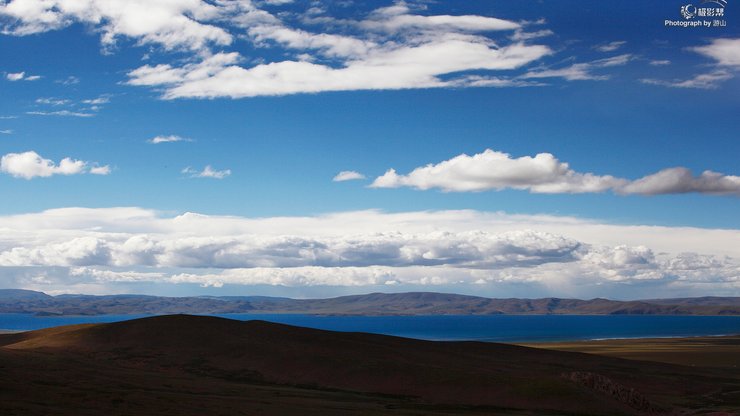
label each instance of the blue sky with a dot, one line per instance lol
(259, 105)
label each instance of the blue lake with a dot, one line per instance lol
(503, 328)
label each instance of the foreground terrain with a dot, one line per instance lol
(195, 365)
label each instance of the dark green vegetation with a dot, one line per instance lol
(419, 303)
(194, 365)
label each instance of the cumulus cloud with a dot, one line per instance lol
(29, 165)
(544, 173)
(491, 169)
(169, 24)
(363, 248)
(168, 139)
(680, 180)
(348, 175)
(207, 172)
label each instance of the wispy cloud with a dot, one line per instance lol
(168, 139)
(390, 48)
(726, 55)
(709, 81)
(207, 172)
(581, 71)
(70, 80)
(52, 101)
(6, 131)
(103, 99)
(21, 76)
(348, 175)
(29, 165)
(61, 113)
(611, 46)
(660, 62)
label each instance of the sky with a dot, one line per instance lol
(324, 148)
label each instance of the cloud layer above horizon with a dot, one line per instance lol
(65, 249)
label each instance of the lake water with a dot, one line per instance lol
(503, 328)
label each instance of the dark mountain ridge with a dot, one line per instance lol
(412, 303)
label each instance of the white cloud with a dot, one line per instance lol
(103, 99)
(726, 54)
(660, 62)
(348, 175)
(21, 76)
(398, 18)
(680, 180)
(521, 35)
(167, 139)
(366, 248)
(581, 71)
(708, 81)
(543, 173)
(61, 113)
(100, 170)
(390, 48)
(611, 46)
(399, 68)
(29, 165)
(430, 48)
(723, 50)
(52, 101)
(6, 131)
(70, 80)
(15, 76)
(170, 24)
(207, 172)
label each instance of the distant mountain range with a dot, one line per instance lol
(415, 303)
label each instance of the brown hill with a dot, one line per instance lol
(204, 365)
